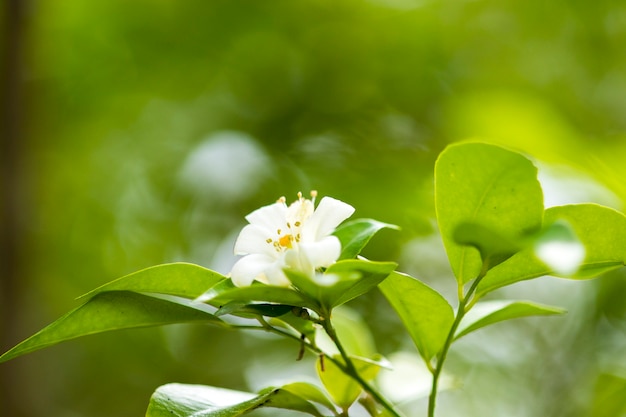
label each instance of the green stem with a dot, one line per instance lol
(351, 371)
(465, 303)
(347, 368)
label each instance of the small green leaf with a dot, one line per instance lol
(342, 388)
(487, 185)
(425, 313)
(490, 312)
(309, 392)
(225, 292)
(296, 320)
(252, 310)
(341, 282)
(113, 310)
(369, 274)
(600, 229)
(182, 400)
(179, 279)
(354, 235)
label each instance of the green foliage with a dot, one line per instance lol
(114, 310)
(488, 186)
(355, 235)
(340, 283)
(495, 231)
(425, 313)
(180, 400)
(492, 246)
(179, 279)
(609, 392)
(487, 313)
(342, 388)
(600, 229)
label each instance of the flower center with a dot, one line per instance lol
(285, 241)
(297, 213)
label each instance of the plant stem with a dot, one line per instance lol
(465, 303)
(347, 368)
(351, 370)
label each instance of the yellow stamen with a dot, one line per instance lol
(285, 241)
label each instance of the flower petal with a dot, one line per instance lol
(322, 253)
(276, 276)
(328, 215)
(298, 261)
(249, 268)
(253, 239)
(271, 217)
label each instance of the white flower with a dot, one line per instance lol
(297, 237)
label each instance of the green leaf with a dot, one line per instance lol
(296, 320)
(494, 248)
(490, 312)
(425, 313)
(182, 400)
(371, 274)
(225, 292)
(253, 310)
(309, 392)
(179, 279)
(341, 282)
(354, 235)
(486, 185)
(343, 389)
(112, 311)
(600, 229)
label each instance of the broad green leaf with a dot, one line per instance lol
(600, 229)
(342, 388)
(354, 235)
(486, 185)
(179, 279)
(113, 310)
(309, 392)
(341, 282)
(425, 313)
(490, 312)
(182, 400)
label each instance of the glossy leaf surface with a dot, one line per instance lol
(179, 279)
(489, 186)
(426, 314)
(355, 235)
(491, 312)
(113, 311)
(600, 229)
(182, 400)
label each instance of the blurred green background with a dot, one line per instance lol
(138, 133)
